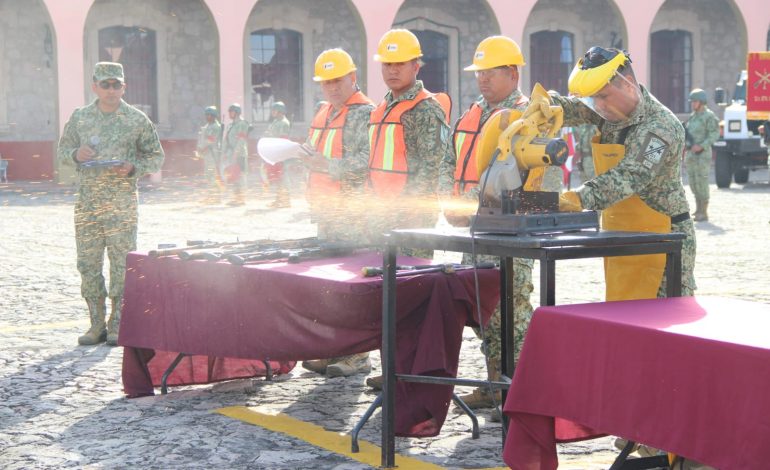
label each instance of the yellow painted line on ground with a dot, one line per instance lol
(369, 454)
(44, 326)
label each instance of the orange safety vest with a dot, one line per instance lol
(325, 136)
(465, 138)
(388, 164)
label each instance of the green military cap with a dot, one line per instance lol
(212, 110)
(279, 106)
(108, 71)
(235, 107)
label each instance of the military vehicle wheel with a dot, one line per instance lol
(741, 175)
(723, 170)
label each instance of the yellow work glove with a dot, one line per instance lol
(570, 202)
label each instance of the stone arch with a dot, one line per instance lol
(323, 25)
(27, 72)
(187, 55)
(465, 24)
(719, 55)
(591, 23)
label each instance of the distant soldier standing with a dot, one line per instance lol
(107, 130)
(585, 161)
(703, 130)
(236, 152)
(209, 138)
(280, 127)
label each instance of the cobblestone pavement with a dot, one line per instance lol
(63, 407)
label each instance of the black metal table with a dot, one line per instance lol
(547, 249)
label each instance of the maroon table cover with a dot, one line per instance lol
(232, 317)
(689, 375)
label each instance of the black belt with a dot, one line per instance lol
(680, 218)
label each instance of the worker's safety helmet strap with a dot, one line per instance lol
(595, 70)
(398, 45)
(496, 51)
(333, 63)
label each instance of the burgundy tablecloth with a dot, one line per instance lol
(229, 316)
(689, 375)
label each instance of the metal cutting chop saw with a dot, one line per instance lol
(513, 152)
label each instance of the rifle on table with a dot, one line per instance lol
(402, 270)
(323, 250)
(264, 245)
(200, 249)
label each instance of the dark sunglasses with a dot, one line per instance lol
(105, 85)
(597, 56)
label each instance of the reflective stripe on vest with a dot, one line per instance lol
(466, 132)
(388, 164)
(325, 136)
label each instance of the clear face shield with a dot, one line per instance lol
(616, 101)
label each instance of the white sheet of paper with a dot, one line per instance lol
(275, 150)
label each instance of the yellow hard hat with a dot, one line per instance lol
(333, 63)
(398, 45)
(595, 70)
(496, 51)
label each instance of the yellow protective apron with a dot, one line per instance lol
(629, 277)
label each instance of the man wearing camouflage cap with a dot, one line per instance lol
(703, 131)
(638, 186)
(280, 127)
(209, 141)
(112, 144)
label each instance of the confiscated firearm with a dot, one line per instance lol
(223, 252)
(294, 255)
(214, 250)
(403, 270)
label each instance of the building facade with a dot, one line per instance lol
(183, 55)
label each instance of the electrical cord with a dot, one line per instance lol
(472, 231)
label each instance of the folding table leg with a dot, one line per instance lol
(362, 422)
(459, 402)
(169, 370)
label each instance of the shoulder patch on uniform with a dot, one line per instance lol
(651, 154)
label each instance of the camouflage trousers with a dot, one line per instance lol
(698, 167)
(587, 171)
(521, 286)
(688, 259)
(98, 226)
(210, 172)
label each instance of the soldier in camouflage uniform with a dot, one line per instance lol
(408, 135)
(496, 65)
(585, 162)
(338, 144)
(703, 129)
(626, 113)
(236, 152)
(112, 144)
(280, 127)
(209, 138)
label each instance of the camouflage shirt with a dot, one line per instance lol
(209, 139)
(236, 144)
(352, 168)
(651, 167)
(703, 126)
(449, 162)
(278, 128)
(126, 134)
(425, 136)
